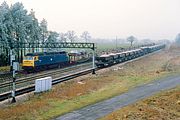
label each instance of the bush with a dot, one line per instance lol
(3, 59)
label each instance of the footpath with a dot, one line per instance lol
(103, 108)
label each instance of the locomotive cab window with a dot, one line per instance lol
(28, 58)
(35, 58)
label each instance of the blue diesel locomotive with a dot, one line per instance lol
(45, 60)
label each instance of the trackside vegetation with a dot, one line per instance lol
(90, 89)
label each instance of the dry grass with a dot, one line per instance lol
(163, 106)
(89, 89)
(4, 68)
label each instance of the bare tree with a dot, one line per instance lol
(71, 35)
(131, 39)
(62, 37)
(44, 31)
(86, 36)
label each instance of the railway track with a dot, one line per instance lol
(58, 76)
(31, 88)
(7, 76)
(28, 81)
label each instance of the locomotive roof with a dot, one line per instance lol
(45, 53)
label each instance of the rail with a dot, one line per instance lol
(6, 86)
(55, 81)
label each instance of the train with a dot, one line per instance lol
(114, 58)
(47, 60)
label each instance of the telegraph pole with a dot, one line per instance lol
(93, 71)
(12, 70)
(14, 84)
(11, 59)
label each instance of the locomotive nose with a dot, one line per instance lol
(28, 63)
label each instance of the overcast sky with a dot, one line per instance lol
(154, 19)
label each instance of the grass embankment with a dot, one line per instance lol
(90, 89)
(5, 74)
(4, 68)
(162, 106)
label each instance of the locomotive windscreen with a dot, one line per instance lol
(28, 58)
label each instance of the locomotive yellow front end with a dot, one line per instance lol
(28, 62)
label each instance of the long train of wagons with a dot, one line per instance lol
(45, 60)
(114, 58)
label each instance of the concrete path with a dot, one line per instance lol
(103, 108)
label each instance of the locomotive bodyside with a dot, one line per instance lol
(38, 61)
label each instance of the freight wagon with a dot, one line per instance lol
(112, 58)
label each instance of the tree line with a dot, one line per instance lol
(19, 25)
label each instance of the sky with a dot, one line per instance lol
(154, 19)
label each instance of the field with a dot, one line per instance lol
(109, 47)
(90, 89)
(105, 46)
(162, 106)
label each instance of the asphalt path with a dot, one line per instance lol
(103, 108)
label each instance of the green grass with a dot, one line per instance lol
(105, 46)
